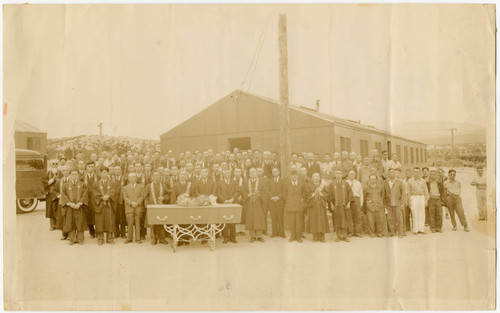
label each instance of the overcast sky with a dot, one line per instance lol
(141, 70)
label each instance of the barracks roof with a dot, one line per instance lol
(22, 126)
(312, 112)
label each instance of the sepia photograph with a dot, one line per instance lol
(249, 157)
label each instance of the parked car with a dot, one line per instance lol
(31, 166)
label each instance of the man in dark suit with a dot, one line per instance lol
(311, 166)
(205, 186)
(90, 179)
(73, 205)
(394, 201)
(276, 204)
(266, 182)
(81, 170)
(105, 209)
(227, 192)
(293, 193)
(133, 197)
(267, 164)
(50, 181)
(239, 180)
(118, 183)
(255, 201)
(437, 196)
(340, 194)
(180, 186)
(275, 160)
(154, 193)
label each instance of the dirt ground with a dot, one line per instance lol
(452, 270)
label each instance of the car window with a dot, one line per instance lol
(29, 165)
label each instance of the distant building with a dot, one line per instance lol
(29, 137)
(247, 121)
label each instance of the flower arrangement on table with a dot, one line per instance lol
(201, 200)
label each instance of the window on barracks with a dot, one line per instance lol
(378, 146)
(34, 143)
(363, 147)
(398, 152)
(422, 155)
(412, 156)
(345, 144)
(416, 152)
(406, 155)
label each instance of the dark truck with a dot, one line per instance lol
(31, 166)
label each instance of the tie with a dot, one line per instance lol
(276, 180)
(227, 181)
(204, 181)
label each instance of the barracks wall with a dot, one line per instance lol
(249, 122)
(301, 140)
(362, 141)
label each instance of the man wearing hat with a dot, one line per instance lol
(62, 161)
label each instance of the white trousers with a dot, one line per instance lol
(481, 202)
(417, 205)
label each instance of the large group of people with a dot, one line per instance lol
(375, 196)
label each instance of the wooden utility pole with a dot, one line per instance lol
(100, 135)
(453, 130)
(284, 112)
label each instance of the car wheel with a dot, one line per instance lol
(26, 205)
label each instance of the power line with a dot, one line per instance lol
(258, 55)
(257, 51)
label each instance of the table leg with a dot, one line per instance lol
(175, 239)
(211, 242)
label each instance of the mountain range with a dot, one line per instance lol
(439, 132)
